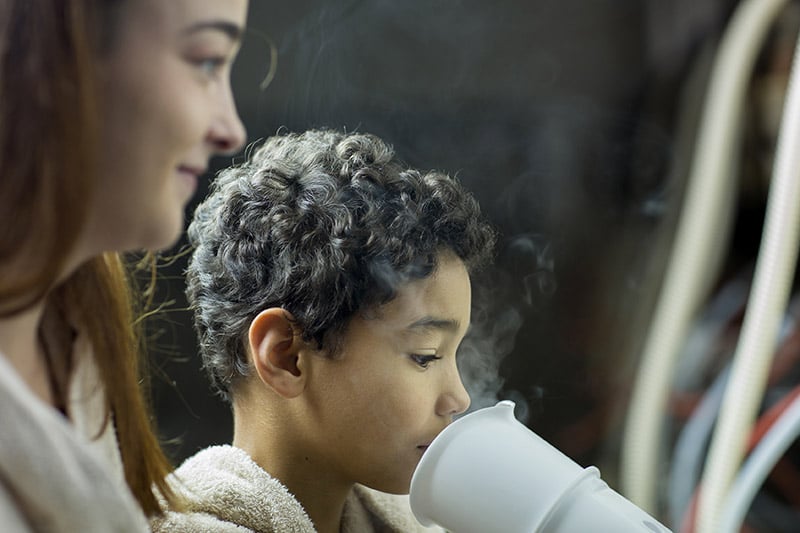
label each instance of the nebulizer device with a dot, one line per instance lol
(488, 472)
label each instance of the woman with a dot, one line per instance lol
(109, 113)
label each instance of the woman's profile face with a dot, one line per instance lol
(166, 108)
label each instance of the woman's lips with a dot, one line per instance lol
(190, 176)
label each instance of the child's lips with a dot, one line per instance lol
(429, 440)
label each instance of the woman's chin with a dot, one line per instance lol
(165, 235)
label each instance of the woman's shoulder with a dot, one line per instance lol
(54, 475)
(11, 515)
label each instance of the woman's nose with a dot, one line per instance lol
(227, 134)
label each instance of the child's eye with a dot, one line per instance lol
(424, 360)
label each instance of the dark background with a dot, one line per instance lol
(570, 120)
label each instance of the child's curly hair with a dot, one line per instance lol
(323, 224)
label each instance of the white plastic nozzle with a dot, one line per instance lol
(488, 472)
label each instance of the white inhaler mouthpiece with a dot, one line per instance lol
(488, 472)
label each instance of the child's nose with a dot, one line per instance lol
(454, 399)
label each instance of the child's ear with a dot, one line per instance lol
(275, 350)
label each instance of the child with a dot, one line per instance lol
(331, 289)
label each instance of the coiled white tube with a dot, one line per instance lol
(774, 274)
(696, 237)
(755, 470)
(687, 461)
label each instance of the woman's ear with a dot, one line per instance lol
(275, 351)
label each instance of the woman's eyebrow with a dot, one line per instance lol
(232, 30)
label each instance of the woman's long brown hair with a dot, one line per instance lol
(48, 148)
(101, 293)
(47, 143)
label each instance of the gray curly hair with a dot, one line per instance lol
(323, 224)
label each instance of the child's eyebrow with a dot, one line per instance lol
(430, 322)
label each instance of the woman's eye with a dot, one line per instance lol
(424, 360)
(210, 66)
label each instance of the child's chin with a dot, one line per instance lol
(397, 489)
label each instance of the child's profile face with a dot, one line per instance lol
(395, 384)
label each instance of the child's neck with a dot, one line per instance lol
(324, 507)
(321, 494)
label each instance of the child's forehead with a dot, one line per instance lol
(412, 302)
(438, 302)
(405, 326)
(417, 312)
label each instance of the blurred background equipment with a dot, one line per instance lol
(575, 123)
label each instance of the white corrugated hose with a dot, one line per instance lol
(696, 242)
(766, 307)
